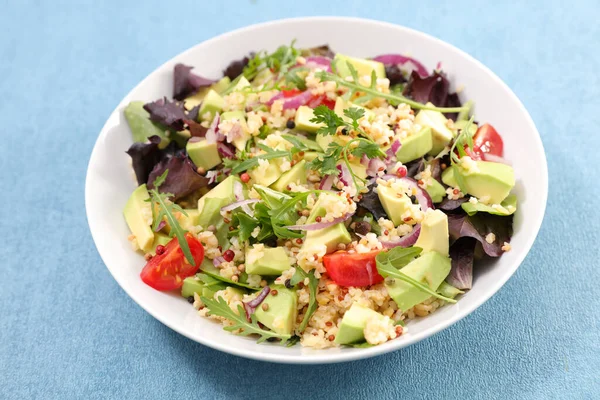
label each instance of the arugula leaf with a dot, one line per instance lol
(229, 281)
(246, 225)
(370, 92)
(279, 61)
(386, 267)
(220, 308)
(313, 286)
(166, 209)
(399, 256)
(292, 341)
(323, 115)
(298, 145)
(253, 162)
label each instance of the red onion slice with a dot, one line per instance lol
(212, 176)
(314, 62)
(241, 203)
(326, 183)
(238, 192)
(212, 134)
(160, 225)
(375, 166)
(292, 102)
(251, 306)
(235, 133)
(225, 150)
(404, 241)
(319, 225)
(399, 59)
(218, 261)
(345, 176)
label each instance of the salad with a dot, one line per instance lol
(315, 197)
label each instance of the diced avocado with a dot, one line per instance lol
(357, 168)
(431, 269)
(462, 124)
(138, 215)
(353, 324)
(264, 76)
(310, 155)
(239, 143)
(281, 310)
(325, 140)
(489, 180)
(208, 266)
(434, 232)
(211, 216)
(203, 154)
(221, 85)
(273, 262)
(447, 290)
(309, 143)
(190, 286)
(241, 84)
(341, 105)
(196, 98)
(415, 146)
(295, 175)
(187, 222)
(361, 65)
(441, 135)
(395, 204)
(330, 236)
(268, 177)
(507, 207)
(302, 120)
(232, 292)
(159, 239)
(223, 190)
(436, 191)
(141, 126)
(212, 103)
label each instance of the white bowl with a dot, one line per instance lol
(110, 179)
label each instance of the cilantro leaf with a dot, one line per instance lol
(354, 113)
(323, 115)
(220, 308)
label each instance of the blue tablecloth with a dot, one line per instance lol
(68, 330)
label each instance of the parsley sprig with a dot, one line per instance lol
(250, 163)
(166, 209)
(220, 308)
(366, 93)
(388, 264)
(464, 138)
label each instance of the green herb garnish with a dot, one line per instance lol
(228, 281)
(367, 93)
(220, 308)
(313, 286)
(166, 208)
(250, 163)
(464, 138)
(389, 262)
(279, 61)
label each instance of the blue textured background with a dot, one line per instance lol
(68, 330)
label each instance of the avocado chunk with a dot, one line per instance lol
(434, 233)
(447, 290)
(203, 154)
(353, 324)
(187, 222)
(302, 120)
(241, 84)
(431, 269)
(196, 98)
(223, 190)
(362, 66)
(357, 168)
(266, 176)
(141, 126)
(492, 181)
(415, 146)
(212, 103)
(507, 207)
(341, 105)
(436, 191)
(310, 155)
(330, 236)
(395, 204)
(160, 239)
(441, 135)
(239, 143)
(273, 262)
(281, 310)
(138, 215)
(295, 175)
(190, 286)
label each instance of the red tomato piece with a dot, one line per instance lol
(291, 93)
(488, 141)
(356, 269)
(166, 271)
(321, 99)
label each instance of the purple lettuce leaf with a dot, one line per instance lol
(370, 202)
(462, 254)
(182, 178)
(451, 205)
(144, 156)
(236, 68)
(170, 114)
(323, 51)
(436, 169)
(434, 88)
(394, 74)
(414, 167)
(186, 83)
(478, 227)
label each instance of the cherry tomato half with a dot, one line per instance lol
(356, 269)
(487, 141)
(166, 271)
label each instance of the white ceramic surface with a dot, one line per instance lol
(110, 179)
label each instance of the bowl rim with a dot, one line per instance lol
(326, 357)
